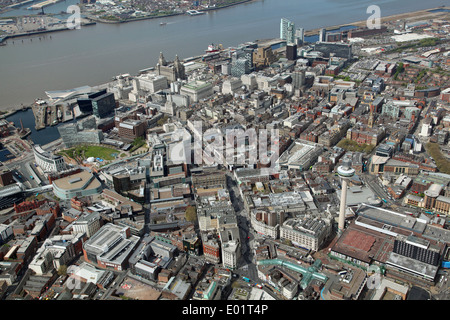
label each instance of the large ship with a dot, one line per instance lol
(213, 48)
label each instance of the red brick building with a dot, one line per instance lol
(28, 205)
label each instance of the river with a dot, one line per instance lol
(94, 54)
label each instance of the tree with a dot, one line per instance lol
(163, 120)
(62, 270)
(191, 214)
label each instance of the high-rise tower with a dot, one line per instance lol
(287, 31)
(323, 35)
(345, 171)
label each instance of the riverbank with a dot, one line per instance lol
(97, 19)
(33, 33)
(425, 14)
(94, 55)
(7, 113)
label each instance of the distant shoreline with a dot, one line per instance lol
(33, 33)
(406, 15)
(164, 16)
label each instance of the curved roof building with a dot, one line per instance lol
(76, 185)
(47, 160)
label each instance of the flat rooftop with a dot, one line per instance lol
(392, 218)
(412, 265)
(364, 244)
(81, 180)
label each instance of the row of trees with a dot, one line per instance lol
(442, 162)
(351, 145)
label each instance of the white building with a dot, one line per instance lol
(265, 223)
(6, 231)
(307, 233)
(88, 224)
(48, 161)
(249, 80)
(55, 252)
(230, 241)
(152, 83)
(427, 128)
(230, 86)
(231, 254)
(197, 90)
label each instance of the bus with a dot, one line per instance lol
(246, 279)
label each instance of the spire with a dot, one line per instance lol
(179, 68)
(177, 61)
(162, 61)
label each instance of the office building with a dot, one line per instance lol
(6, 176)
(6, 233)
(172, 71)
(88, 224)
(341, 50)
(267, 222)
(263, 57)
(323, 35)
(55, 252)
(291, 52)
(208, 177)
(132, 129)
(418, 249)
(240, 67)
(151, 83)
(211, 250)
(85, 102)
(298, 78)
(103, 105)
(308, 233)
(81, 132)
(299, 36)
(300, 155)
(197, 90)
(48, 161)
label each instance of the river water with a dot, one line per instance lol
(94, 54)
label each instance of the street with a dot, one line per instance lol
(246, 267)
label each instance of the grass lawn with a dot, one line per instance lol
(86, 151)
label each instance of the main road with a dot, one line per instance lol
(247, 265)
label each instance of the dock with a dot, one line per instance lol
(40, 116)
(42, 4)
(15, 5)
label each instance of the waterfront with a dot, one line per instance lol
(92, 55)
(42, 136)
(52, 9)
